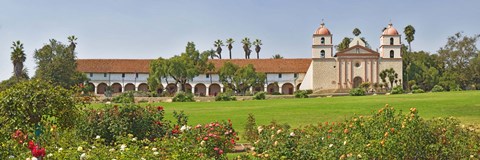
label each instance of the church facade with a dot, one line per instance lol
(324, 72)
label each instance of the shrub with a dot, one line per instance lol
(415, 87)
(301, 94)
(418, 91)
(397, 90)
(225, 96)
(386, 134)
(183, 97)
(357, 92)
(309, 91)
(125, 97)
(437, 88)
(251, 134)
(259, 95)
(276, 93)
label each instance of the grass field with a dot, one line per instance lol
(297, 112)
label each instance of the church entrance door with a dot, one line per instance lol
(357, 81)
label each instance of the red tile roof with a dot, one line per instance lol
(142, 65)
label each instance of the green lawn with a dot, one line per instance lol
(297, 112)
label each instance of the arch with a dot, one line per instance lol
(272, 87)
(117, 88)
(129, 87)
(143, 87)
(322, 40)
(258, 88)
(101, 88)
(298, 86)
(200, 89)
(391, 41)
(91, 87)
(160, 90)
(188, 88)
(171, 88)
(392, 54)
(357, 81)
(287, 88)
(322, 53)
(214, 89)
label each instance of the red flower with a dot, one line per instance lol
(158, 123)
(232, 141)
(205, 138)
(220, 152)
(216, 148)
(36, 152)
(160, 108)
(31, 145)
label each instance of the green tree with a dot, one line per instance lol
(344, 44)
(56, 62)
(390, 74)
(409, 32)
(277, 56)
(181, 68)
(246, 47)
(356, 32)
(210, 53)
(230, 42)
(219, 44)
(227, 73)
(18, 57)
(257, 44)
(457, 56)
(240, 79)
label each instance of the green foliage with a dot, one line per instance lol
(309, 91)
(276, 93)
(301, 94)
(37, 102)
(183, 97)
(357, 92)
(344, 44)
(246, 47)
(356, 32)
(4, 85)
(56, 62)
(182, 68)
(418, 91)
(240, 79)
(409, 32)
(218, 43)
(18, 57)
(397, 90)
(250, 134)
(230, 42)
(257, 43)
(259, 95)
(390, 74)
(225, 96)
(437, 88)
(277, 56)
(365, 85)
(386, 134)
(125, 97)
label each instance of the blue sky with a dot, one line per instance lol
(154, 28)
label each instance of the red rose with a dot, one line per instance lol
(31, 145)
(220, 152)
(160, 108)
(38, 152)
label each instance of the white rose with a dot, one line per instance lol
(122, 147)
(331, 145)
(97, 137)
(155, 153)
(292, 134)
(83, 156)
(154, 149)
(80, 148)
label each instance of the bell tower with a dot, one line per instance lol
(390, 43)
(322, 43)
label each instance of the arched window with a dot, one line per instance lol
(391, 41)
(322, 40)
(322, 54)
(392, 54)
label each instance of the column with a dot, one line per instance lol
(340, 74)
(207, 90)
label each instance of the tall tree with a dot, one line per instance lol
(409, 32)
(457, 56)
(230, 42)
(240, 79)
(356, 32)
(18, 57)
(219, 43)
(72, 40)
(257, 44)
(181, 68)
(246, 47)
(56, 62)
(277, 56)
(344, 44)
(210, 53)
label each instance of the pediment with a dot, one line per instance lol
(358, 50)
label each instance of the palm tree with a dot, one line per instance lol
(73, 44)
(356, 32)
(277, 56)
(257, 44)
(409, 32)
(219, 44)
(246, 47)
(229, 44)
(18, 57)
(210, 53)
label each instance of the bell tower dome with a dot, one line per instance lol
(322, 43)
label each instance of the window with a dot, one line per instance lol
(392, 55)
(123, 75)
(208, 75)
(295, 75)
(391, 41)
(357, 64)
(322, 40)
(322, 54)
(91, 74)
(280, 75)
(104, 74)
(136, 75)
